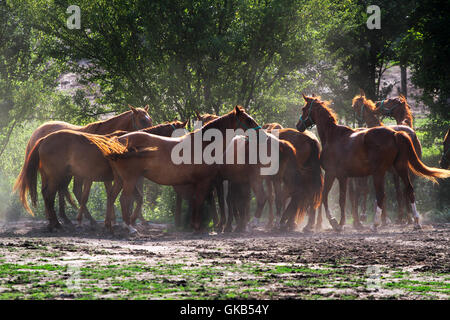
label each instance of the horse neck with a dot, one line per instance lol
(370, 118)
(164, 130)
(122, 121)
(221, 123)
(326, 127)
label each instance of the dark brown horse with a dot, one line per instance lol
(371, 152)
(136, 118)
(151, 156)
(309, 179)
(61, 155)
(445, 160)
(365, 109)
(396, 108)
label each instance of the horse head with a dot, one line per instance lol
(140, 118)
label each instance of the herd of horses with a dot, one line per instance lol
(125, 149)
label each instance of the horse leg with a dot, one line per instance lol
(354, 197)
(409, 191)
(201, 190)
(231, 207)
(77, 188)
(62, 204)
(84, 198)
(378, 181)
(364, 190)
(139, 198)
(178, 211)
(126, 201)
(279, 198)
(311, 220)
(329, 179)
(48, 190)
(221, 199)
(318, 226)
(342, 195)
(260, 195)
(112, 191)
(399, 195)
(270, 199)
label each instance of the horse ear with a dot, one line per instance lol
(132, 108)
(362, 93)
(237, 110)
(185, 123)
(146, 107)
(314, 95)
(305, 97)
(197, 114)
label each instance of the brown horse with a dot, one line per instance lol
(61, 155)
(136, 118)
(365, 109)
(309, 183)
(445, 160)
(205, 117)
(371, 152)
(186, 192)
(396, 108)
(151, 156)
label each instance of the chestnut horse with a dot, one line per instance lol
(134, 119)
(365, 109)
(350, 153)
(63, 154)
(445, 160)
(396, 108)
(151, 156)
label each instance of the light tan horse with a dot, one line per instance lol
(151, 156)
(134, 119)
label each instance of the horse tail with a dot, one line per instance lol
(416, 166)
(133, 153)
(113, 149)
(27, 179)
(315, 181)
(107, 146)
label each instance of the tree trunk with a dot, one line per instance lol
(403, 81)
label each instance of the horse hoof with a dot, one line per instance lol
(417, 227)
(132, 230)
(374, 229)
(308, 230)
(358, 226)
(334, 224)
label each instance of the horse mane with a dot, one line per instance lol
(407, 108)
(367, 102)
(331, 114)
(93, 126)
(162, 125)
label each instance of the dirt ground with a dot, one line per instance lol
(82, 263)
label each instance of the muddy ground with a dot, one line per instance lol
(395, 263)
